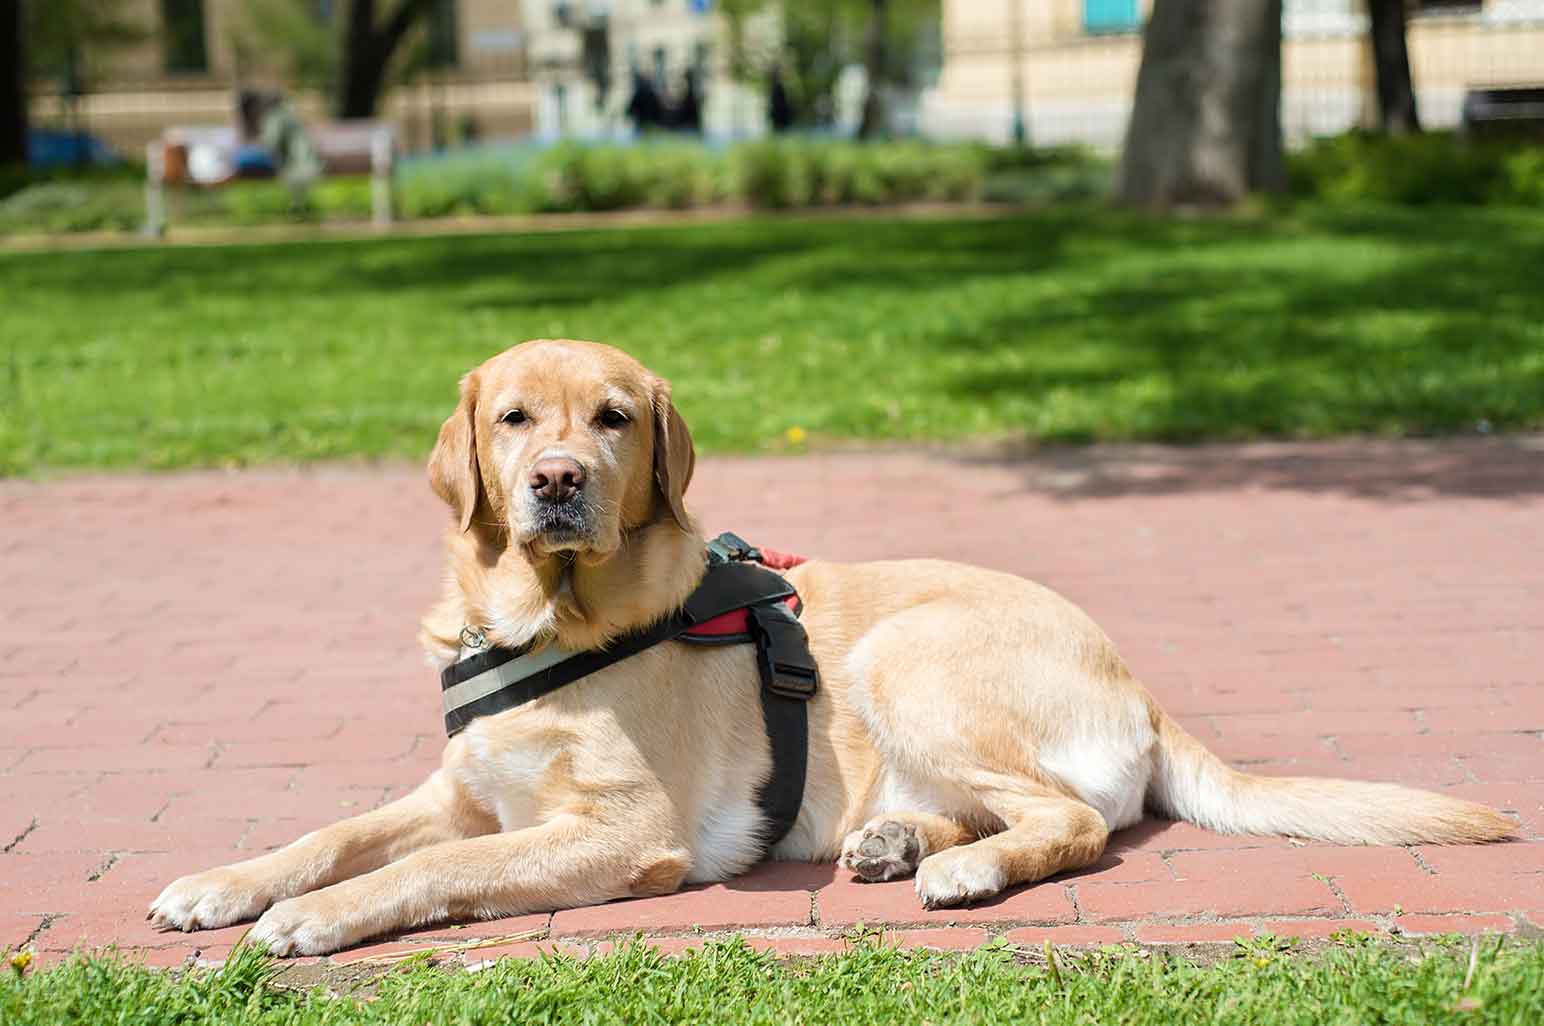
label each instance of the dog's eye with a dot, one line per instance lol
(513, 417)
(613, 418)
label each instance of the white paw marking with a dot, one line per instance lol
(205, 901)
(958, 876)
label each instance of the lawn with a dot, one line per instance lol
(1362, 982)
(1069, 325)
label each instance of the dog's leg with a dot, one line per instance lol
(1047, 833)
(891, 846)
(437, 811)
(563, 863)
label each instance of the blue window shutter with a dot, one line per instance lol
(1101, 16)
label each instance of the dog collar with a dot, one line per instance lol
(737, 602)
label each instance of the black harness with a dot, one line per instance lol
(493, 680)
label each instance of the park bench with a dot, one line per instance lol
(1507, 111)
(345, 148)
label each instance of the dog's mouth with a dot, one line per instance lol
(562, 525)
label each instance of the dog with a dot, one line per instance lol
(972, 729)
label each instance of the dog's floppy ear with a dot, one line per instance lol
(674, 454)
(453, 471)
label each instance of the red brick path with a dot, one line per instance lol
(195, 668)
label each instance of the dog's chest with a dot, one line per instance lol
(725, 843)
(506, 779)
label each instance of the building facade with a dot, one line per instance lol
(586, 55)
(1073, 64)
(193, 55)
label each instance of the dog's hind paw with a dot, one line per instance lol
(885, 849)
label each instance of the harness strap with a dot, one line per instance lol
(788, 681)
(498, 679)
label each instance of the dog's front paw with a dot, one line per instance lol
(205, 901)
(307, 925)
(958, 876)
(883, 850)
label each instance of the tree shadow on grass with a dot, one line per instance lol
(782, 256)
(579, 267)
(1140, 327)
(552, 269)
(1435, 331)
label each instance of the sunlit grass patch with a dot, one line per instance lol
(1353, 980)
(1069, 325)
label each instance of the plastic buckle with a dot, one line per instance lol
(782, 652)
(793, 682)
(735, 549)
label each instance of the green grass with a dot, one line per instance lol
(1360, 982)
(1069, 325)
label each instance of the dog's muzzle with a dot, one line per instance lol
(568, 519)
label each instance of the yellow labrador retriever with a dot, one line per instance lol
(972, 728)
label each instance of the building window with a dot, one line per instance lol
(1107, 16)
(661, 66)
(182, 36)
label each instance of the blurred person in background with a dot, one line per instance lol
(285, 137)
(686, 114)
(645, 109)
(779, 106)
(251, 159)
(271, 140)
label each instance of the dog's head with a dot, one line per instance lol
(563, 447)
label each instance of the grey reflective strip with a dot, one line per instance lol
(515, 670)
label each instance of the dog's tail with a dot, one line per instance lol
(1192, 784)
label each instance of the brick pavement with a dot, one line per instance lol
(198, 667)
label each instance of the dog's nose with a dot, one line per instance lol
(557, 479)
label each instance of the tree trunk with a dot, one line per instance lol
(13, 85)
(359, 92)
(1397, 113)
(360, 69)
(367, 53)
(874, 61)
(1206, 123)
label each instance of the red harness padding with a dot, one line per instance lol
(775, 560)
(733, 623)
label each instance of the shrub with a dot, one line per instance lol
(342, 199)
(654, 173)
(774, 174)
(72, 206)
(16, 177)
(796, 172)
(1033, 158)
(1522, 177)
(1434, 167)
(251, 203)
(682, 177)
(486, 180)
